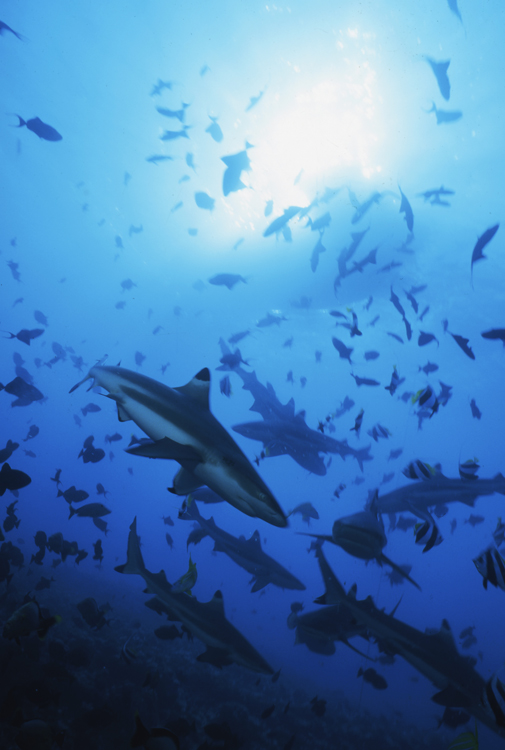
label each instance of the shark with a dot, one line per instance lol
(438, 490)
(321, 628)
(433, 653)
(245, 552)
(205, 620)
(182, 428)
(284, 432)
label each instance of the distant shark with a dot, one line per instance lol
(206, 621)
(438, 490)
(433, 653)
(182, 428)
(283, 432)
(245, 552)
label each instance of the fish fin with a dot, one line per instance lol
(134, 564)
(255, 540)
(141, 734)
(259, 584)
(168, 449)
(216, 604)
(334, 591)
(122, 414)
(198, 388)
(186, 482)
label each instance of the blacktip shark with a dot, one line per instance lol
(182, 427)
(245, 552)
(206, 620)
(432, 653)
(438, 490)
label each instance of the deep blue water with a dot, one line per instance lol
(345, 93)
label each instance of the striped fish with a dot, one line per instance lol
(491, 566)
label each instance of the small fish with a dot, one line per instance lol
(426, 338)
(156, 158)
(40, 317)
(318, 706)
(228, 280)
(344, 351)
(90, 409)
(73, 495)
(428, 368)
(235, 165)
(481, 243)
(170, 541)
(495, 334)
(225, 386)
(186, 582)
(307, 511)
(374, 679)
(371, 355)
(214, 130)
(445, 116)
(476, 412)
(92, 510)
(26, 336)
(396, 381)
(406, 208)
(270, 320)
(98, 551)
(203, 200)
(45, 132)
(113, 438)
(426, 399)
(32, 433)
(139, 358)
(172, 135)
(158, 87)
(238, 337)
(364, 381)
(100, 490)
(254, 100)
(491, 566)
(127, 284)
(358, 422)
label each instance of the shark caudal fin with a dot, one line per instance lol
(334, 591)
(361, 455)
(134, 564)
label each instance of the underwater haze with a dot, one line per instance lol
(270, 236)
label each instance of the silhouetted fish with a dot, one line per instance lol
(45, 132)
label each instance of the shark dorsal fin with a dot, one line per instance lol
(445, 636)
(161, 579)
(198, 388)
(216, 604)
(255, 539)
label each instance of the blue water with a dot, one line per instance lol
(345, 93)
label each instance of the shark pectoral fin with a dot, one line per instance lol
(169, 449)
(452, 698)
(185, 482)
(219, 547)
(216, 656)
(259, 584)
(122, 415)
(255, 540)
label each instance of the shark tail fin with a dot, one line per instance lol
(399, 570)
(334, 591)
(134, 564)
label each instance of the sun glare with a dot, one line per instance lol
(329, 130)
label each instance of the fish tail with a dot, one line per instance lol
(21, 122)
(72, 512)
(46, 624)
(134, 564)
